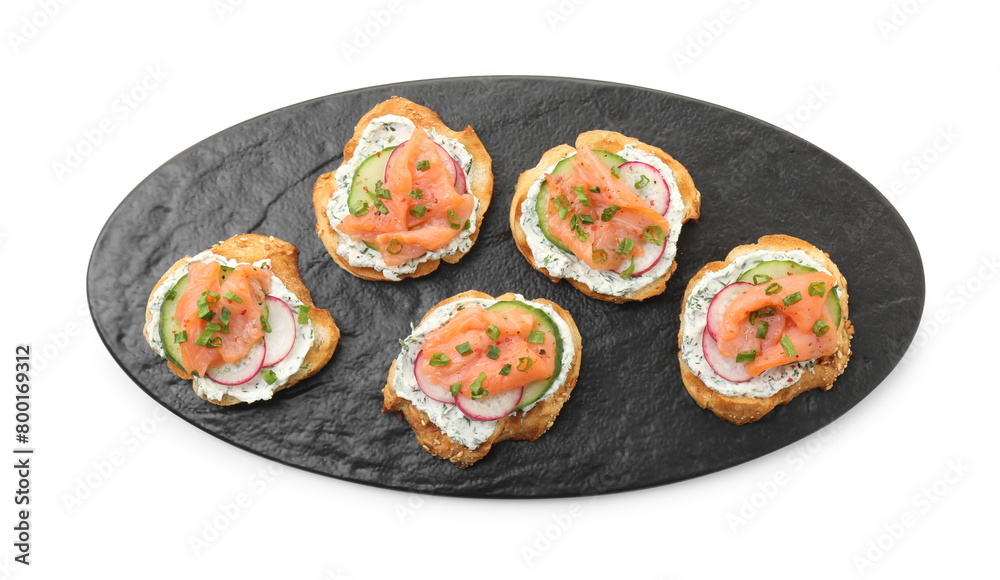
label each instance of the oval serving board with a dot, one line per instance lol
(630, 423)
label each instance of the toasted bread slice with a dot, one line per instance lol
(480, 182)
(740, 410)
(521, 425)
(612, 142)
(249, 248)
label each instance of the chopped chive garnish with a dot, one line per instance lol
(820, 328)
(627, 272)
(493, 331)
(303, 314)
(625, 246)
(269, 376)
(467, 224)
(476, 388)
(643, 182)
(455, 388)
(230, 296)
(753, 316)
(382, 193)
(464, 349)
(767, 311)
(759, 279)
(423, 165)
(224, 315)
(746, 356)
(653, 234)
(786, 343)
(581, 196)
(536, 337)
(439, 359)
(395, 246)
(774, 288)
(181, 336)
(586, 219)
(453, 220)
(562, 205)
(170, 295)
(202, 339)
(524, 363)
(616, 171)
(359, 208)
(600, 256)
(817, 289)
(264, 324)
(762, 328)
(380, 207)
(580, 234)
(609, 212)
(505, 370)
(416, 192)
(493, 352)
(792, 299)
(214, 342)
(371, 246)
(418, 210)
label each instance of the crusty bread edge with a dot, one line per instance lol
(740, 410)
(523, 426)
(608, 141)
(249, 248)
(480, 183)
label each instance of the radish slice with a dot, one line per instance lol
(428, 386)
(241, 371)
(651, 254)
(723, 366)
(456, 173)
(460, 184)
(281, 339)
(720, 303)
(656, 191)
(491, 407)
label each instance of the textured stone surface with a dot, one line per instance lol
(630, 423)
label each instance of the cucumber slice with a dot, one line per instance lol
(368, 173)
(169, 324)
(535, 390)
(565, 167)
(777, 269)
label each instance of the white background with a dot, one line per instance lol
(904, 484)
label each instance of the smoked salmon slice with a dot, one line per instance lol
(597, 216)
(418, 211)
(791, 314)
(505, 346)
(235, 305)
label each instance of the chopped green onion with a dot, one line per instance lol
(653, 234)
(303, 314)
(627, 273)
(643, 182)
(264, 324)
(423, 165)
(439, 359)
(371, 246)
(395, 246)
(767, 311)
(269, 376)
(180, 337)
(380, 207)
(493, 331)
(224, 315)
(525, 362)
(616, 171)
(753, 316)
(581, 196)
(455, 388)
(562, 205)
(817, 289)
(600, 256)
(792, 299)
(416, 192)
(493, 352)
(453, 220)
(215, 342)
(594, 189)
(202, 339)
(820, 328)
(505, 370)
(170, 295)
(467, 224)
(418, 210)
(476, 388)
(586, 219)
(759, 279)
(609, 212)
(359, 208)
(786, 343)
(762, 328)
(774, 288)
(536, 337)
(382, 193)
(625, 246)
(746, 356)
(464, 349)
(230, 296)
(580, 234)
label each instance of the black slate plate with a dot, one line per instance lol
(630, 423)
